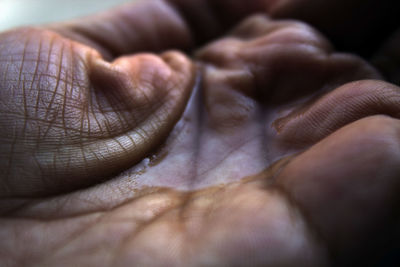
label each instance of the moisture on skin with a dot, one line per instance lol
(129, 141)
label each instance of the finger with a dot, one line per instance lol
(347, 104)
(272, 62)
(348, 187)
(156, 25)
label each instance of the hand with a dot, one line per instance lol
(260, 150)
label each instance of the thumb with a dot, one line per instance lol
(70, 119)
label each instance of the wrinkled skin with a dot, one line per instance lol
(263, 147)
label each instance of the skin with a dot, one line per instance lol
(263, 147)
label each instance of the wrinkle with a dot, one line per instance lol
(55, 90)
(140, 228)
(74, 236)
(228, 153)
(65, 97)
(20, 74)
(35, 73)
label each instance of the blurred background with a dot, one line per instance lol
(15, 13)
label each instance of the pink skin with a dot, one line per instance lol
(264, 148)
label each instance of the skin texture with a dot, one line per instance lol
(127, 141)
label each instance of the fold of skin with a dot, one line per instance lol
(266, 148)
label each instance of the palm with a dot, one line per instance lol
(219, 160)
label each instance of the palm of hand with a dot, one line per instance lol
(252, 172)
